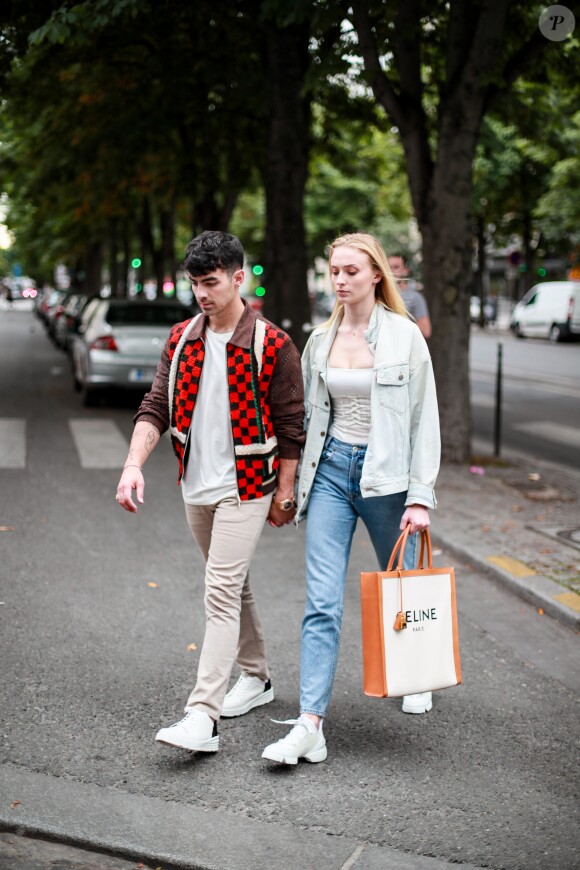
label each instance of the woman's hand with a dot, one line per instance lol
(416, 516)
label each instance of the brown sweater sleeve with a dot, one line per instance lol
(287, 402)
(154, 408)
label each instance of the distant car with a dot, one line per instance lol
(55, 311)
(549, 310)
(49, 298)
(67, 325)
(119, 343)
(489, 309)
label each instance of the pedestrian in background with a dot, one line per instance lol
(229, 389)
(372, 452)
(415, 302)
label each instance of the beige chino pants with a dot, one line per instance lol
(227, 534)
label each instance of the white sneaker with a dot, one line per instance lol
(420, 703)
(197, 731)
(248, 692)
(301, 742)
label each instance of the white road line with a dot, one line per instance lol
(12, 443)
(569, 435)
(99, 443)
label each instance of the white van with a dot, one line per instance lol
(549, 310)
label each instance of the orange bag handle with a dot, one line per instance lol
(400, 548)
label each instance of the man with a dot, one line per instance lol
(229, 389)
(414, 301)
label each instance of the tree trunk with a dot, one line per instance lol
(167, 224)
(481, 267)
(126, 260)
(93, 269)
(447, 279)
(529, 253)
(116, 289)
(209, 214)
(286, 167)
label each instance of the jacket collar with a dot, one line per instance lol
(242, 336)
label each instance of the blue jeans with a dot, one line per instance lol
(333, 510)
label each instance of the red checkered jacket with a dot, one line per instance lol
(265, 390)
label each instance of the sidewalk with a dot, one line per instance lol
(518, 520)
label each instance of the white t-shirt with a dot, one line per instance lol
(210, 471)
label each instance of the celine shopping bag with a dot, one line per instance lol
(409, 626)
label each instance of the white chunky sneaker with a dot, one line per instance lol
(303, 741)
(248, 692)
(420, 703)
(196, 731)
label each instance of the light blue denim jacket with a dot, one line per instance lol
(404, 446)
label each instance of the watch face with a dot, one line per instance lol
(287, 504)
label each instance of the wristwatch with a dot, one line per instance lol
(287, 505)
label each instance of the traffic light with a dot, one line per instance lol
(136, 262)
(542, 272)
(258, 270)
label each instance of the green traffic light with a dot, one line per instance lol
(260, 291)
(542, 272)
(258, 270)
(136, 262)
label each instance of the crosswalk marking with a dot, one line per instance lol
(569, 435)
(12, 443)
(99, 443)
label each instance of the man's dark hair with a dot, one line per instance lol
(403, 257)
(213, 250)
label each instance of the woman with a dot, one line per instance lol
(372, 451)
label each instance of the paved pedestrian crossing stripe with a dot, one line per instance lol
(558, 432)
(12, 443)
(99, 443)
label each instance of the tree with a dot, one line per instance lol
(436, 71)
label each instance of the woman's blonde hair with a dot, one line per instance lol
(386, 291)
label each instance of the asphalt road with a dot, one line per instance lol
(541, 395)
(99, 610)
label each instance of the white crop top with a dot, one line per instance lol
(350, 396)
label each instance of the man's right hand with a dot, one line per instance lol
(131, 479)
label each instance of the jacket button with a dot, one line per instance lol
(314, 464)
(401, 377)
(326, 404)
(323, 433)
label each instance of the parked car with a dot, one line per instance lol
(549, 310)
(67, 325)
(119, 343)
(50, 297)
(489, 309)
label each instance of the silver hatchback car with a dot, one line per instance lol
(119, 344)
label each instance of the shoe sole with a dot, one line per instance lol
(314, 756)
(262, 699)
(211, 745)
(424, 709)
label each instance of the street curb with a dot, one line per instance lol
(181, 835)
(536, 589)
